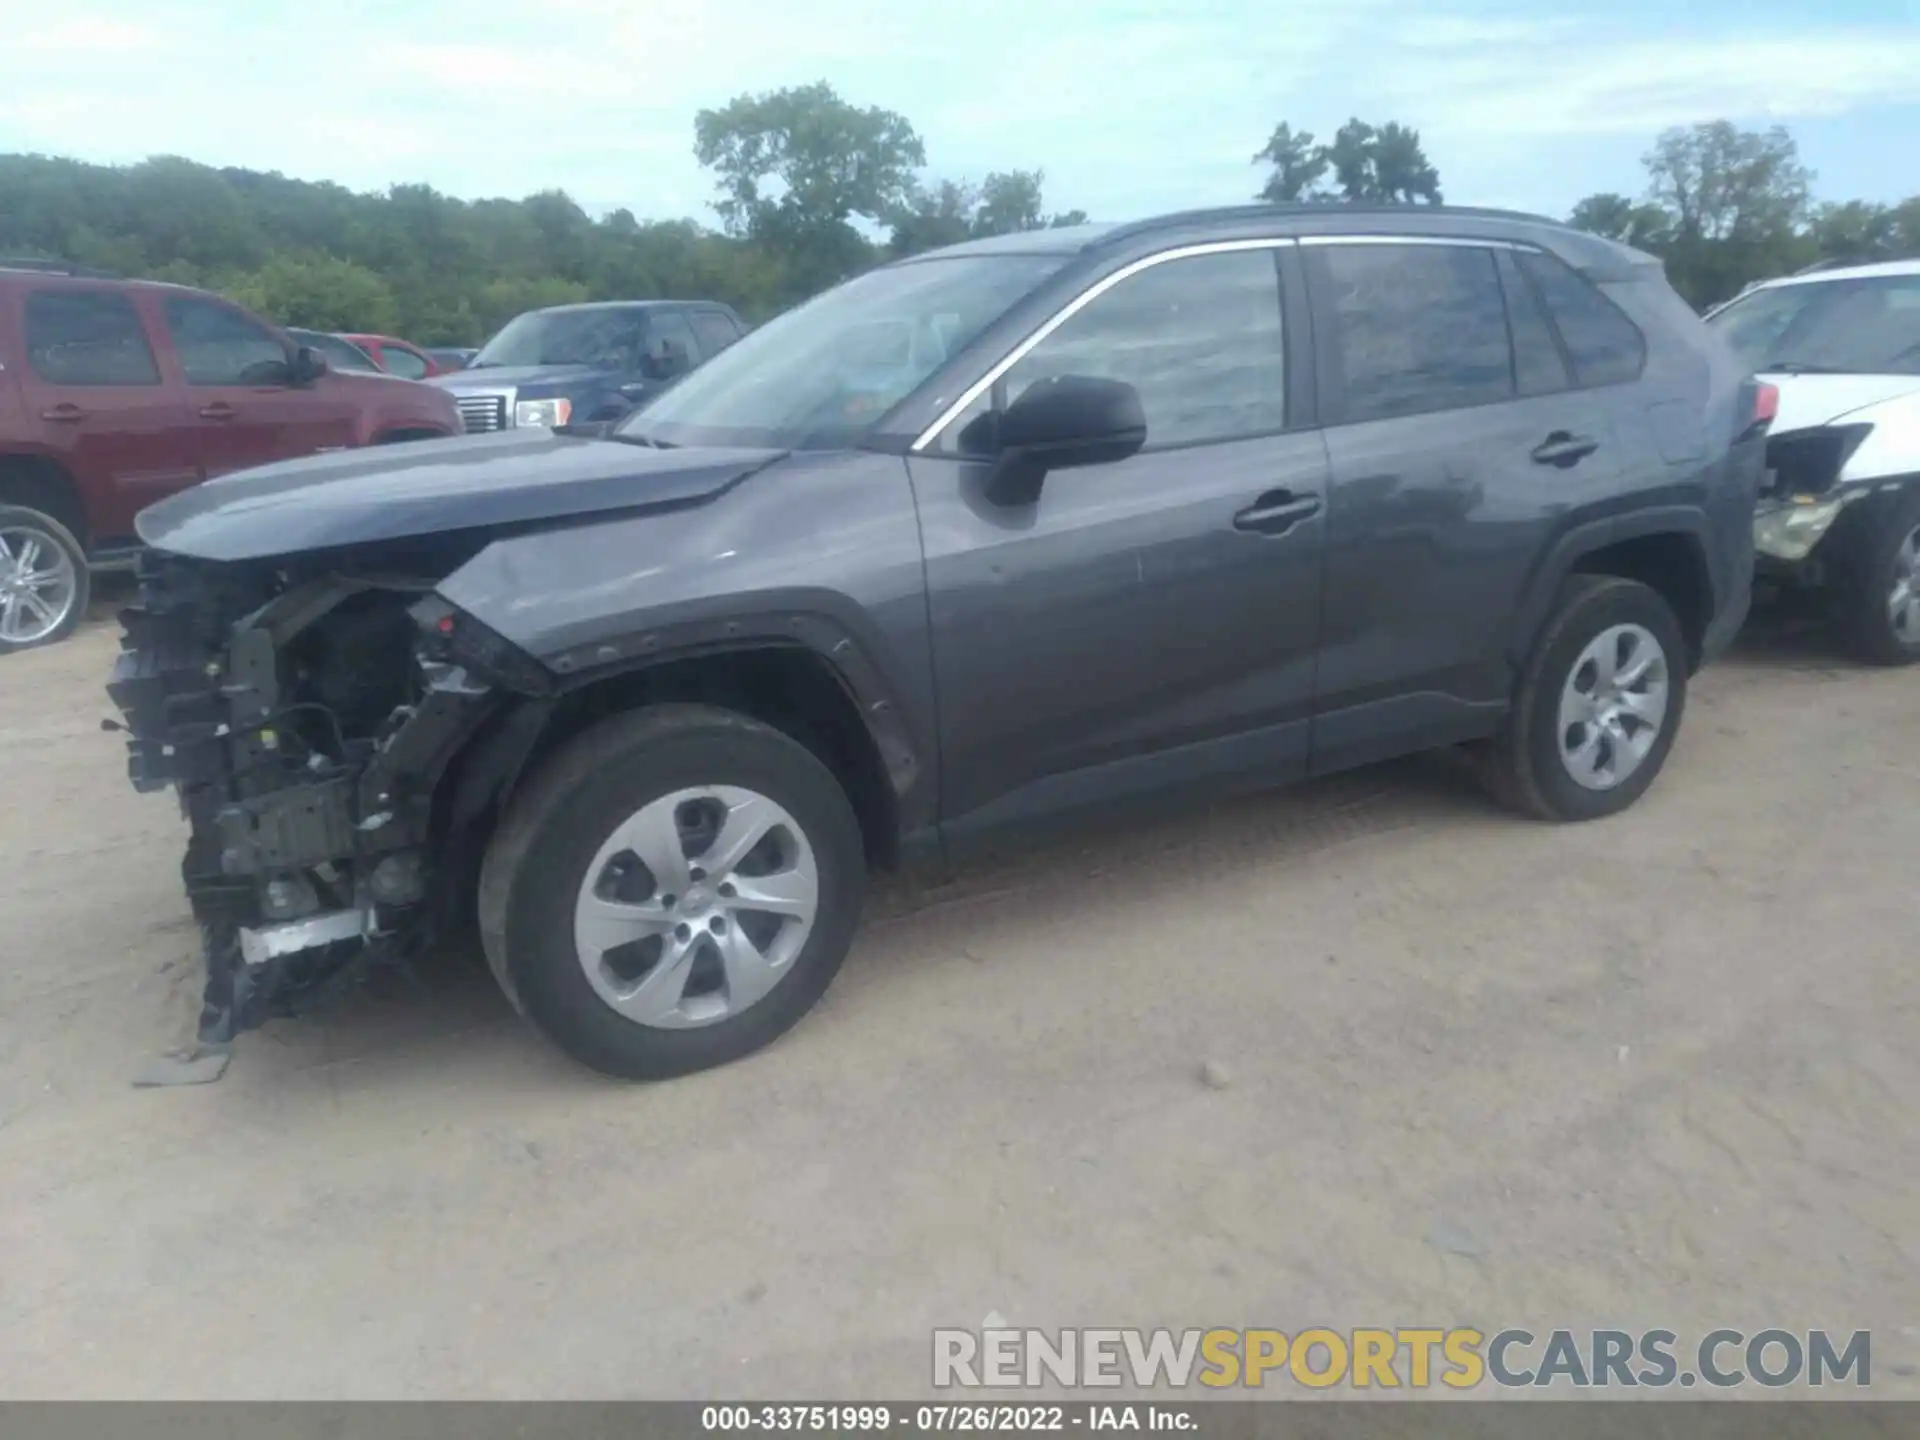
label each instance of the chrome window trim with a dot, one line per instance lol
(1456, 241)
(1073, 307)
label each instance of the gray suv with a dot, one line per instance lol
(1018, 529)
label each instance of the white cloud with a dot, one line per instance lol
(1130, 106)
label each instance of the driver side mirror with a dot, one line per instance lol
(1060, 423)
(307, 366)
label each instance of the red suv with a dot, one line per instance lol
(397, 357)
(115, 393)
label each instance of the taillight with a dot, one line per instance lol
(1766, 403)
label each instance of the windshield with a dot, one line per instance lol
(821, 376)
(1866, 326)
(609, 338)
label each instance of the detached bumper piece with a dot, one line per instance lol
(310, 828)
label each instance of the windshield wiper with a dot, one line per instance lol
(1801, 367)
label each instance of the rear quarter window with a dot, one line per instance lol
(1606, 348)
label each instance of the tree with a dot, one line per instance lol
(1736, 201)
(1643, 226)
(1384, 165)
(1856, 231)
(319, 292)
(798, 166)
(949, 211)
(1298, 166)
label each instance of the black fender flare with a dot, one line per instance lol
(1562, 558)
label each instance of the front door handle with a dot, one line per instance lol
(1276, 512)
(63, 414)
(1564, 449)
(218, 410)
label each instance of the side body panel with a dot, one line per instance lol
(821, 550)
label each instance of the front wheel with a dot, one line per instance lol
(673, 890)
(44, 580)
(1880, 590)
(1598, 707)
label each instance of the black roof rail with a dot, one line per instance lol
(1303, 208)
(57, 267)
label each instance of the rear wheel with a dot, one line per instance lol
(1879, 601)
(44, 581)
(674, 890)
(1599, 704)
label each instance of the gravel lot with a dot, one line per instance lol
(1660, 1070)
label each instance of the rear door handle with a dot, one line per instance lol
(218, 410)
(1276, 512)
(1565, 449)
(63, 413)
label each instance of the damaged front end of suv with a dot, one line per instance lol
(306, 717)
(335, 727)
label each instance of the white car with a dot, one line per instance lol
(1840, 514)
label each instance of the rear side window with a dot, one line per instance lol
(1605, 346)
(1538, 368)
(1416, 328)
(715, 330)
(87, 337)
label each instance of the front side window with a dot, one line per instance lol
(671, 348)
(715, 330)
(608, 338)
(1607, 348)
(87, 337)
(1200, 339)
(822, 375)
(403, 362)
(219, 346)
(1863, 326)
(1416, 328)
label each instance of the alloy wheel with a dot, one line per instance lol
(696, 906)
(1613, 706)
(38, 585)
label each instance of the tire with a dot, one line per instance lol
(50, 550)
(1880, 568)
(562, 825)
(1527, 767)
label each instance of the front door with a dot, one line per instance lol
(245, 408)
(1146, 623)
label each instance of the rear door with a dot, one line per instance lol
(1149, 623)
(244, 408)
(1456, 440)
(92, 393)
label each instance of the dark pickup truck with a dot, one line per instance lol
(576, 364)
(1027, 527)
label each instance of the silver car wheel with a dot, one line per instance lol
(38, 585)
(696, 907)
(1903, 601)
(1613, 706)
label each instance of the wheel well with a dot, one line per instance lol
(1671, 564)
(40, 484)
(786, 687)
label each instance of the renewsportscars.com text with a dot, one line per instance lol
(1418, 1359)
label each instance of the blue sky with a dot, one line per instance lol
(1130, 106)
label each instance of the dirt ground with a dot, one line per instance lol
(1658, 1071)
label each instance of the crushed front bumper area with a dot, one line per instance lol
(311, 815)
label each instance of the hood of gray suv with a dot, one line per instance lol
(356, 497)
